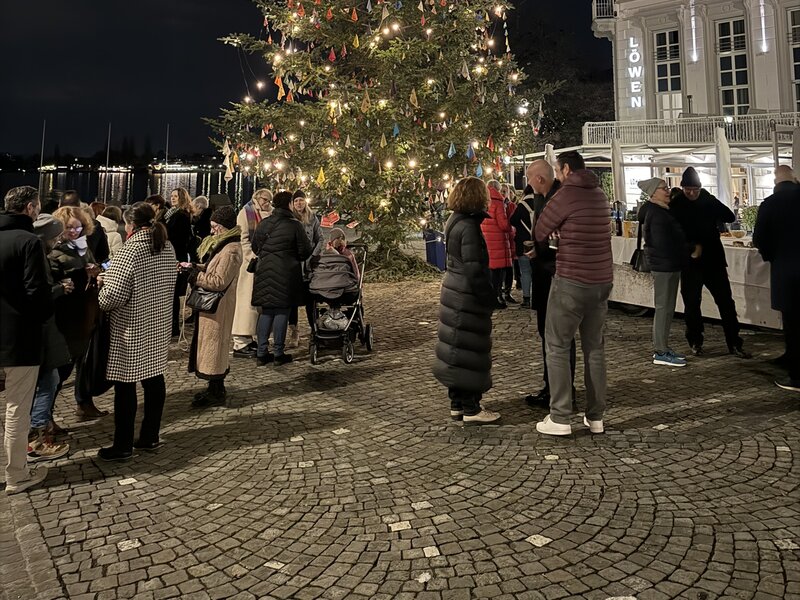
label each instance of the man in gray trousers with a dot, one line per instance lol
(576, 220)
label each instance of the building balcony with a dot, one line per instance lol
(689, 131)
(603, 9)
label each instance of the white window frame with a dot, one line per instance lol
(733, 47)
(794, 47)
(669, 102)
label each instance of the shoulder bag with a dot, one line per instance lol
(639, 258)
(203, 300)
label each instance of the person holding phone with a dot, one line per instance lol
(77, 313)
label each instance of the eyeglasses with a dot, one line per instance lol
(78, 228)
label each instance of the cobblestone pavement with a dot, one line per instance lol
(341, 481)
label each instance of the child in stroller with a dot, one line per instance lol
(336, 282)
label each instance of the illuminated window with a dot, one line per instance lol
(794, 41)
(734, 84)
(669, 98)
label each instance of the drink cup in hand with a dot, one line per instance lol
(554, 239)
(68, 285)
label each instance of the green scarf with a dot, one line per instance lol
(210, 242)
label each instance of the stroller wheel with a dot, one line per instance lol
(368, 339)
(312, 354)
(348, 352)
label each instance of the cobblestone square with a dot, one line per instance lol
(350, 481)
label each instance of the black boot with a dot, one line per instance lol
(214, 396)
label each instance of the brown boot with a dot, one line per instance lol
(88, 411)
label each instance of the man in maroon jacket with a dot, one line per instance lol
(576, 220)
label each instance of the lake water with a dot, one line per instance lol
(127, 188)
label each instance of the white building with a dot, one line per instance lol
(682, 69)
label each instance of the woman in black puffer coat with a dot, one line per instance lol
(281, 244)
(464, 352)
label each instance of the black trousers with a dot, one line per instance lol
(541, 292)
(469, 402)
(693, 278)
(511, 273)
(498, 278)
(155, 393)
(791, 329)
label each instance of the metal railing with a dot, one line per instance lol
(690, 130)
(603, 9)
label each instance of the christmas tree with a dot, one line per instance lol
(381, 106)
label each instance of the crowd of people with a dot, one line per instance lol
(560, 236)
(70, 273)
(84, 269)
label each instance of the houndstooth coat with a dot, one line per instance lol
(137, 292)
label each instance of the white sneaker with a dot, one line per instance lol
(594, 426)
(548, 427)
(482, 418)
(37, 476)
(456, 415)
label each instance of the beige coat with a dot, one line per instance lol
(112, 233)
(246, 318)
(214, 330)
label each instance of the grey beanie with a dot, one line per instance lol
(47, 227)
(649, 186)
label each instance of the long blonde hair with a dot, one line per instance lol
(184, 200)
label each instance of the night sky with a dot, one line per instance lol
(145, 63)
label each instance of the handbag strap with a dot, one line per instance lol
(639, 234)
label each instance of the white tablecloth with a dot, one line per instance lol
(749, 276)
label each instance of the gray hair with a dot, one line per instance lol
(19, 197)
(201, 202)
(494, 184)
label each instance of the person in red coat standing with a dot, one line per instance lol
(497, 232)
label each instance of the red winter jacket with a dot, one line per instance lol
(497, 232)
(579, 211)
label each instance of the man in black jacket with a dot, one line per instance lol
(699, 214)
(543, 266)
(775, 237)
(25, 304)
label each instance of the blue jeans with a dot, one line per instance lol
(275, 321)
(525, 276)
(44, 398)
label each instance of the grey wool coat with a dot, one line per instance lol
(209, 358)
(137, 293)
(464, 351)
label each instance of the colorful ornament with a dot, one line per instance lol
(329, 14)
(321, 177)
(470, 152)
(452, 151)
(490, 143)
(301, 12)
(362, 184)
(347, 143)
(384, 143)
(354, 15)
(332, 55)
(479, 171)
(396, 130)
(365, 103)
(413, 98)
(356, 43)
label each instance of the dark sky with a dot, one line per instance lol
(145, 63)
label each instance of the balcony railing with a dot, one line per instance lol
(692, 131)
(603, 9)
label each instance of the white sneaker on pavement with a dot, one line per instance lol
(37, 476)
(594, 426)
(548, 427)
(482, 418)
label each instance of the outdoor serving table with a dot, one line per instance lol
(748, 273)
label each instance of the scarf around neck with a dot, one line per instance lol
(80, 244)
(211, 242)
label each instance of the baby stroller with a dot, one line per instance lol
(339, 322)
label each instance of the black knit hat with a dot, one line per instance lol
(224, 216)
(690, 178)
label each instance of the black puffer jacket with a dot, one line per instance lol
(281, 244)
(664, 241)
(464, 351)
